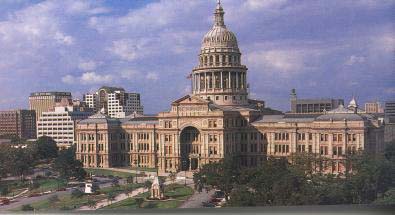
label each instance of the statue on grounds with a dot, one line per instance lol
(157, 191)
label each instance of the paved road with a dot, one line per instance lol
(195, 201)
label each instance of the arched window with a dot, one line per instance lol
(211, 60)
(205, 60)
(217, 60)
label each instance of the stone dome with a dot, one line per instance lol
(219, 36)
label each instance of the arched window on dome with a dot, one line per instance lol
(217, 60)
(223, 59)
(217, 77)
(230, 59)
(225, 80)
(211, 60)
(205, 60)
(202, 83)
(201, 60)
(209, 81)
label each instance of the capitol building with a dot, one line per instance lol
(219, 120)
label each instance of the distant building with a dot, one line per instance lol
(373, 107)
(60, 124)
(389, 119)
(46, 101)
(116, 102)
(389, 111)
(313, 105)
(20, 123)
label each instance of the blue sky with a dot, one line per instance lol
(322, 48)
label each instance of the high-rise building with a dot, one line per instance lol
(373, 107)
(60, 124)
(20, 123)
(46, 101)
(313, 105)
(389, 111)
(115, 101)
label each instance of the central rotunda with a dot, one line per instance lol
(220, 76)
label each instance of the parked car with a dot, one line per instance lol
(208, 204)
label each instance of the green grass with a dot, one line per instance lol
(119, 189)
(66, 202)
(49, 184)
(175, 191)
(44, 185)
(106, 172)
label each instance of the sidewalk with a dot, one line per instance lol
(123, 196)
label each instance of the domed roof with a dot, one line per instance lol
(219, 35)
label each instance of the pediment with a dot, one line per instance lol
(190, 99)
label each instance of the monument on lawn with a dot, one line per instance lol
(157, 191)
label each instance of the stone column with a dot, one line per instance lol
(229, 83)
(237, 80)
(205, 82)
(222, 87)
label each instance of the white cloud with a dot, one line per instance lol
(263, 4)
(390, 90)
(353, 59)
(94, 78)
(88, 78)
(87, 65)
(130, 74)
(68, 79)
(282, 61)
(152, 76)
(125, 49)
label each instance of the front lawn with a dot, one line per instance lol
(176, 192)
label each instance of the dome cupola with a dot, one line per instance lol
(219, 36)
(220, 76)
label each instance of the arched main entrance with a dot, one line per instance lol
(190, 145)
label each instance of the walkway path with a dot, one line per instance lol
(195, 201)
(120, 197)
(124, 196)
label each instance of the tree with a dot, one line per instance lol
(27, 208)
(68, 166)
(53, 199)
(129, 189)
(221, 175)
(76, 193)
(129, 179)
(139, 202)
(173, 177)
(147, 184)
(115, 182)
(46, 148)
(242, 197)
(111, 196)
(91, 203)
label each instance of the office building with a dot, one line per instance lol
(116, 102)
(19, 123)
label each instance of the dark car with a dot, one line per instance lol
(208, 204)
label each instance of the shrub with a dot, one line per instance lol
(27, 208)
(53, 199)
(76, 193)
